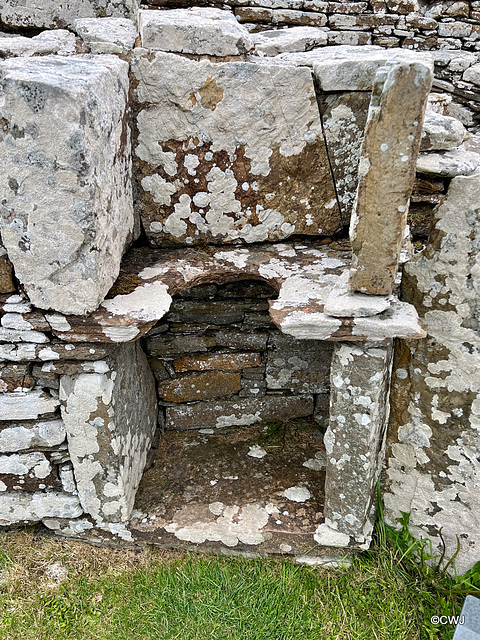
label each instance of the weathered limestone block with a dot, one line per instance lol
(473, 75)
(449, 164)
(200, 386)
(441, 133)
(108, 437)
(51, 14)
(433, 468)
(386, 174)
(250, 181)
(58, 41)
(276, 41)
(107, 35)
(237, 412)
(360, 381)
(67, 210)
(28, 507)
(29, 471)
(199, 30)
(31, 435)
(300, 366)
(344, 116)
(26, 405)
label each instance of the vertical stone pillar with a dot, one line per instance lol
(354, 441)
(110, 418)
(386, 174)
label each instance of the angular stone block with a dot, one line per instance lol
(257, 179)
(344, 116)
(26, 405)
(241, 412)
(272, 43)
(107, 35)
(28, 435)
(199, 30)
(300, 366)
(51, 14)
(386, 174)
(28, 507)
(217, 361)
(108, 436)
(200, 386)
(29, 471)
(15, 377)
(58, 41)
(354, 441)
(441, 133)
(67, 209)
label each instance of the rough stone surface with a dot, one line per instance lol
(51, 14)
(220, 361)
(386, 174)
(200, 386)
(107, 35)
(300, 366)
(433, 469)
(237, 412)
(344, 116)
(58, 41)
(31, 507)
(441, 133)
(66, 176)
(29, 471)
(108, 438)
(354, 440)
(7, 284)
(15, 377)
(460, 162)
(195, 30)
(249, 182)
(343, 303)
(272, 43)
(30, 435)
(26, 405)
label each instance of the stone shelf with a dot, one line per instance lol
(305, 275)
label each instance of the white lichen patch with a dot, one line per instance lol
(297, 494)
(256, 451)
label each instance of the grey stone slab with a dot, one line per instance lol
(198, 30)
(354, 441)
(66, 179)
(449, 164)
(60, 41)
(441, 133)
(276, 41)
(26, 405)
(31, 507)
(469, 627)
(108, 436)
(387, 174)
(30, 435)
(107, 35)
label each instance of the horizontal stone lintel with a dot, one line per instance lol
(303, 274)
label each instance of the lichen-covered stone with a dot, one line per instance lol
(276, 41)
(15, 377)
(199, 30)
(30, 471)
(58, 41)
(344, 116)
(360, 376)
(220, 361)
(31, 507)
(51, 14)
(248, 182)
(433, 470)
(107, 35)
(17, 436)
(441, 133)
(26, 405)
(387, 174)
(237, 412)
(449, 164)
(108, 437)
(67, 210)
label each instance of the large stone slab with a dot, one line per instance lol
(386, 174)
(344, 116)
(30, 471)
(251, 181)
(108, 436)
(26, 405)
(199, 30)
(276, 41)
(51, 14)
(107, 35)
(67, 209)
(433, 469)
(30, 507)
(360, 382)
(28, 435)
(58, 41)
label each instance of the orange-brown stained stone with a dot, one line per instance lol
(217, 361)
(13, 376)
(7, 284)
(200, 386)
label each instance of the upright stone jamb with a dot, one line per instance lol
(387, 173)
(354, 441)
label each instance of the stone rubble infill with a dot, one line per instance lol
(441, 133)
(304, 275)
(295, 39)
(387, 173)
(449, 164)
(196, 30)
(59, 41)
(82, 161)
(107, 35)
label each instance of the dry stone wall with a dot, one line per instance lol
(254, 127)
